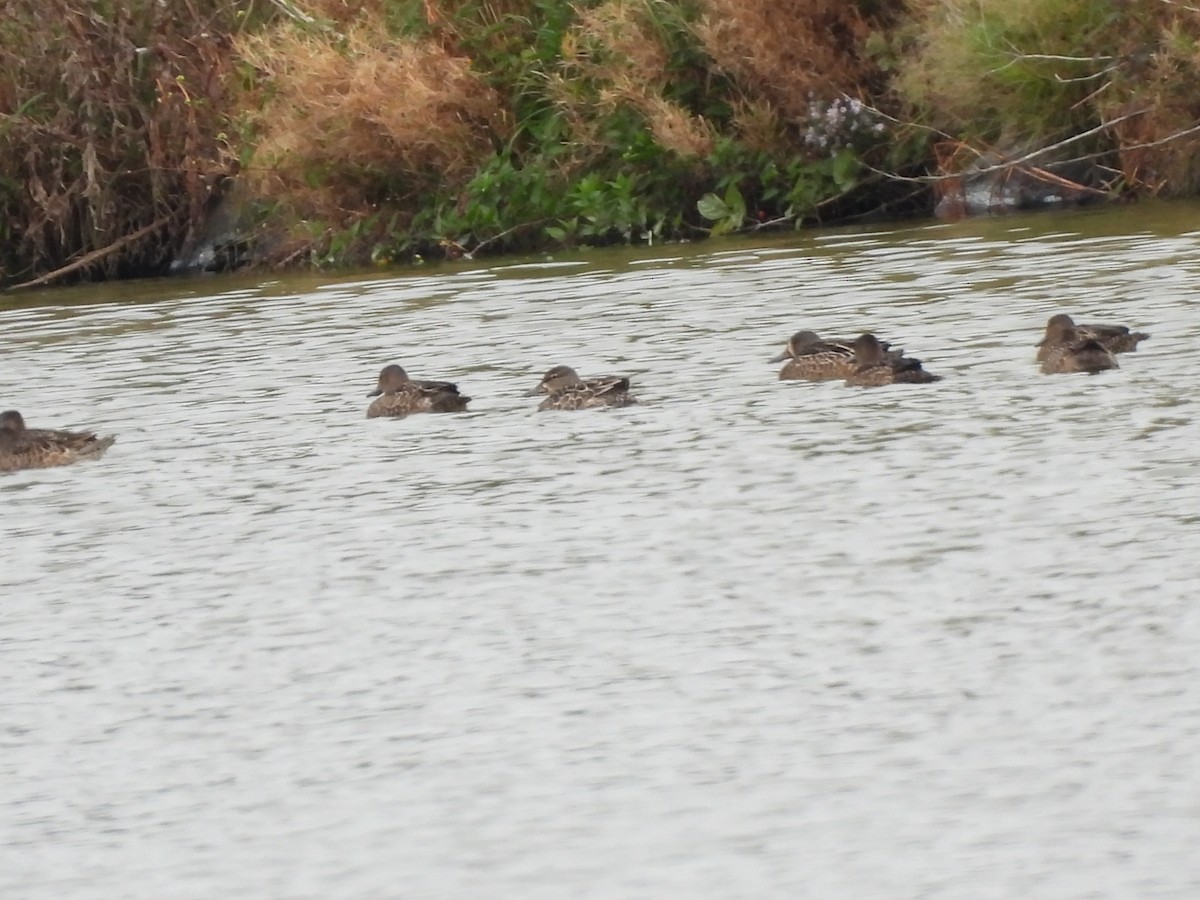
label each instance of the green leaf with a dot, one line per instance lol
(845, 170)
(735, 203)
(724, 227)
(713, 207)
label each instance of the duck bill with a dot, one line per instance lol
(781, 357)
(375, 393)
(533, 393)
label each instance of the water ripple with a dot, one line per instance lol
(749, 638)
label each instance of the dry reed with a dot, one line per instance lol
(783, 52)
(367, 120)
(112, 124)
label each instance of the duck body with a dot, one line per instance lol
(1077, 354)
(811, 358)
(397, 395)
(875, 367)
(564, 389)
(1062, 330)
(41, 448)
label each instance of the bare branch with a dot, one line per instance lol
(293, 12)
(1091, 77)
(1001, 167)
(917, 125)
(1180, 5)
(1019, 57)
(89, 258)
(470, 254)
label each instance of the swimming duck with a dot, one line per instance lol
(875, 367)
(812, 359)
(398, 395)
(1061, 329)
(566, 390)
(39, 448)
(1071, 352)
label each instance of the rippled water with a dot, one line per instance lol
(750, 638)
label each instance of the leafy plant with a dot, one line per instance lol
(727, 213)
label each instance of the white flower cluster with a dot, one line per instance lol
(838, 124)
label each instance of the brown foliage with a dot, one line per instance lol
(109, 122)
(1052, 71)
(784, 51)
(615, 41)
(369, 119)
(616, 45)
(1158, 148)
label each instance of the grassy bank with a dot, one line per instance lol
(395, 129)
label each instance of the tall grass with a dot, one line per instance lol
(113, 130)
(1025, 74)
(784, 52)
(385, 129)
(368, 118)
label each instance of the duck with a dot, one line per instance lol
(1072, 352)
(40, 448)
(810, 358)
(566, 390)
(397, 395)
(875, 367)
(1061, 329)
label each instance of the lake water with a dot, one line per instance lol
(750, 638)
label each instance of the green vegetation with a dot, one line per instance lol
(1094, 79)
(400, 129)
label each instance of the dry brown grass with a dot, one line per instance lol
(368, 120)
(495, 27)
(782, 51)
(616, 42)
(675, 129)
(1154, 148)
(1029, 73)
(759, 125)
(111, 131)
(616, 45)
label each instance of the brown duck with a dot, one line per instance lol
(40, 448)
(1072, 352)
(398, 395)
(810, 358)
(566, 390)
(1061, 329)
(875, 368)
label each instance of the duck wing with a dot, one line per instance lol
(609, 384)
(1101, 332)
(436, 387)
(39, 439)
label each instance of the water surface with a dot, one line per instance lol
(749, 638)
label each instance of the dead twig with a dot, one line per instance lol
(470, 254)
(89, 258)
(1000, 167)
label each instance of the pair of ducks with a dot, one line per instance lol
(398, 395)
(1068, 347)
(869, 362)
(865, 361)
